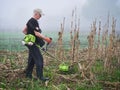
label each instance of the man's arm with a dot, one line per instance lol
(38, 34)
(25, 30)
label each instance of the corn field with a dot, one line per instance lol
(96, 67)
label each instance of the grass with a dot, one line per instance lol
(104, 75)
(58, 81)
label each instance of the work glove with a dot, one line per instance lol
(48, 40)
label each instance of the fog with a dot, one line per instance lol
(14, 14)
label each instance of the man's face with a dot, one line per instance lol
(38, 16)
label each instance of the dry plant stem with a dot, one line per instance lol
(111, 48)
(98, 45)
(110, 83)
(60, 51)
(71, 34)
(74, 37)
(91, 39)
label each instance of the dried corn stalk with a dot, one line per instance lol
(75, 42)
(98, 44)
(111, 49)
(91, 40)
(60, 50)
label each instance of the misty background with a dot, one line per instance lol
(14, 14)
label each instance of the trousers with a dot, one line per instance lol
(34, 58)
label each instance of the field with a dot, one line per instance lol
(13, 63)
(11, 41)
(93, 60)
(12, 75)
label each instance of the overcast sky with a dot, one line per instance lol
(15, 13)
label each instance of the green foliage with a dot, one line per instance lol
(2, 85)
(98, 66)
(73, 68)
(2, 58)
(62, 87)
(101, 74)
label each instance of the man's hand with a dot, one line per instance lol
(48, 40)
(25, 30)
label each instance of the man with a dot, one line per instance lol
(35, 57)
